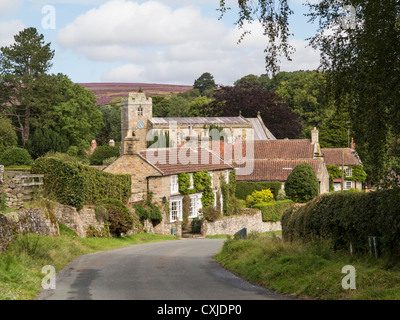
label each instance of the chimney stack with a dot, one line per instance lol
(352, 144)
(314, 136)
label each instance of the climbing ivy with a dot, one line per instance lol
(358, 174)
(201, 184)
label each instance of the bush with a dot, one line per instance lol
(196, 225)
(102, 153)
(119, 217)
(76, 185)
(246, 188)
(302, 184)
(16, 156)
(148, 210)
(345, 218)
(8, 137)
(273, 211)
(211, 214)
(262, 196)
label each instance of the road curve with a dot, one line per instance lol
(169, 270)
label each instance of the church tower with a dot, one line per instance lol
(136, 111)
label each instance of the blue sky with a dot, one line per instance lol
(170, 41)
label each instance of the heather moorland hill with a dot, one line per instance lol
(105, 92)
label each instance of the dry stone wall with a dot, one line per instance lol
(232, 224)
(29, 220)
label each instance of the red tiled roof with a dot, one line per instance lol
(270, 170)
(179, 160)
(334, 156)
(271, 149)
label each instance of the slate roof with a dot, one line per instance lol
(200, 120)
(172, 161)
(333, 156)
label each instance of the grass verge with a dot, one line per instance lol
(21, 265)
(310, 271)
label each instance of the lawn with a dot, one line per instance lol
(310, 271)
(21, 265)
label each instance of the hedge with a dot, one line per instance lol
(77, 185)
(347, 218)
(245, 188)
(273, 211)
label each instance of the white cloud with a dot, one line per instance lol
(8, 30)
(7, 6)
(156, 43)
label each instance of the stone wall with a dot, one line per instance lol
(78, 221)
(29, 220)
(232, 224)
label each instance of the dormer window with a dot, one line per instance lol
(140, 111)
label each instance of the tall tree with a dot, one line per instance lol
(274, 110)
(205, 82)
(22, 68)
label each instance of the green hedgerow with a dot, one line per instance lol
(16, 157)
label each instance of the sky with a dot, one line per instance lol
(160, 41)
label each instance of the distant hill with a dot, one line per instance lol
(105, 92)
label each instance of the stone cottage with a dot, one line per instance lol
(157, 169)
(274, 160)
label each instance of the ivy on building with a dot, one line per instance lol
(335, 172)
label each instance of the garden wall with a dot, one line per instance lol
(232, 224)
(29, 220)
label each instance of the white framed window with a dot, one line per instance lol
(191, 181)
(212, 180)
(349, 172)
(226, 176)
(176, 210)
(215, 198)
(195, 205)
(348, 185)
(174, 184)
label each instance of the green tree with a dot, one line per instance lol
(102, 153)
(22, 68)
(46, 140)
(302, 184)
(112, 124)
(205, 82)
(8, 137)
(161, 106)
(305, 92)
(333, 133)
(179, 107)
(198, 105)
(78, 117)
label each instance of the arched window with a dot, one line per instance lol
(140, 111)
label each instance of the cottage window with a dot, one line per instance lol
(195, 205)
(174, 184)
(215, 198)
(348, 185)
(226, 176)
(191, 181)
(349, 172)
(212, 180)
(176, 210)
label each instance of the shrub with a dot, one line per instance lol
(119, 217)
(102, 153)
(196, 225)
(16, 156)
(76, 185)
(245, 188)
(262, 196)
(273, 211)
(211, 214)
(302, 184)
(148, 210)
(345, 218)
(8, 137)
(281, 195)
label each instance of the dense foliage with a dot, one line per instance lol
(273, 211)
(16, 156)
(245, 188)
(119, 217)
(302, 184)
(76, 185)
(345, 218)
(102, 153)
(148, 210)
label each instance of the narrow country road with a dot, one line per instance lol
(170, 270)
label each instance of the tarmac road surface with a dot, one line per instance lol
(169, 270)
